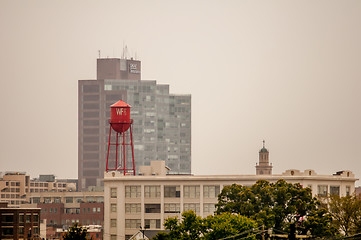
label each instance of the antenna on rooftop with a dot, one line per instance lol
(99, 53)
(125, 52)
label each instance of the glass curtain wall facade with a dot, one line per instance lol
(161, 125)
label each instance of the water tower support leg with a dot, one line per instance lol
(116, 151)
(110, 133)
(131, 145)
(124, 167)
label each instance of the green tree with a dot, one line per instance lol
(193, 227)
(76, 232)
(346, 213)
(281, 205)
(251, 202)
(319, 223)
(227, 224)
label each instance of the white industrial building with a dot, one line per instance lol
(144, 201)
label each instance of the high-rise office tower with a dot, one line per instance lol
(161, 127)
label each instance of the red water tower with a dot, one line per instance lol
(120, 122)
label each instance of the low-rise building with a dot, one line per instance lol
(134, 202)
(14, 186)
(19, 223)
(63, 209)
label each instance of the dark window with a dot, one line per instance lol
(335, 190)
(91, 173)
(91, 122)
(91, 97)
(152, 223)
(90, 156)
(91, 148)
(152, 208)
(91, 165)
(91, 139)
(171, 191)
(91, 131)
(90, 106)
(90, 114)
(8, 218)
(8, 231)
(91, 88)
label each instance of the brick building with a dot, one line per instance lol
(63, 209)
(19, 223)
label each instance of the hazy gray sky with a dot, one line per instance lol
(284, 71)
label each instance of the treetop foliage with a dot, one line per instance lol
(286, 208)
(278, 205)
(346, 213)
(194, 227)
(76, 232)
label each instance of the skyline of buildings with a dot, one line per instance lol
(145, 200)
(161, 120)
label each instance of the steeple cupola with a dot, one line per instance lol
(263, 167)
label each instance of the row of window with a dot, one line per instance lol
(69, 222)
(135, 208)
(10, 218)
(44, 184)
(15, 202)
(45, 190)
(153, 191)
(88, 199)
(10, 196)
(322, 190)
(39, 190)
(136, 223)
(9, 231)
(12, 183)
(10, 190)
(209, 191)
(72, 210)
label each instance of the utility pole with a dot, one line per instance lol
(142, 230)
(292, 235)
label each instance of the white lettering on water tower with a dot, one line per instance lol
(119, 111)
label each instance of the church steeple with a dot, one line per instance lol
(263, 167)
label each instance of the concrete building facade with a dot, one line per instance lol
(14, 186)
(161, 126)
(131, 202)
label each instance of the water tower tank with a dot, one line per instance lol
(120, 116)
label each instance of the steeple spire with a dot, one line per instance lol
(263, 167)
